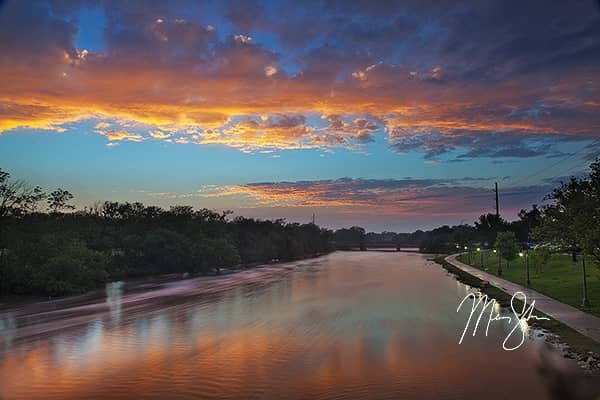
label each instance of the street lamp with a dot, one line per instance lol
(586, 301)
(481, 255)
(469, 253)
(499, 272)
(527, 264)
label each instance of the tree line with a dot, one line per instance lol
(62, 251)
(569, 222)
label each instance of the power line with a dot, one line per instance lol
(545, 169)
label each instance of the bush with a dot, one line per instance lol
(159, 251)
(61, 266)
(76, 269)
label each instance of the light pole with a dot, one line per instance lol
(526, 264)
(499, 263)
(586, 301)
(469, 253)
(481, 255)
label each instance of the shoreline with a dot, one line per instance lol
(133, 285)
(38, 319)
(573, 344)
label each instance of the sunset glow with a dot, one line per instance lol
(351, 110)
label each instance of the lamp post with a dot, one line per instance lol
(586, 301)
(469, 253)
(526, 264)
(481, 255)
(499, 263)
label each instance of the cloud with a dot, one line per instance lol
(160, 135)
(397, 197)
(413, 73)
(593, 151)
(280, 131)
(360, 130)
(364, 73)
(113, 135)
(119, 136)
(477, 143)
(270, 70)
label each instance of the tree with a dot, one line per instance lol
(53, 254)
(572, 220)
(59, 200)
(162, 251)
(17, 197)
(54, 265)
(218, 254)
(488, 225)
(528, 220)
(542, 254)
(591, 236)
(350, 237)
(74, 268)
(506, 243)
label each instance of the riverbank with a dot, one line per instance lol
(133, 285)
(36, 319)
(556, 276)
(575, 345)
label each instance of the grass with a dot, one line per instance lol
(577, 343)
(560, 278)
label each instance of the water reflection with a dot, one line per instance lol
(8, 327)
(349, 326)
(114, 293)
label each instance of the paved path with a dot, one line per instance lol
(582, 322)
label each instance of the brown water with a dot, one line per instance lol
(351, 325)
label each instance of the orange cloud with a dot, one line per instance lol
(280, 131)
(112, 135)
(366, 197)
(176, 76)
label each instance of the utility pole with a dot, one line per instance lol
(313, 219)
(497, 221)
(497, 208)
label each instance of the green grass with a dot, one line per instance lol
(577, 343)
(560, 278)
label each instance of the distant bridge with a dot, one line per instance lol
(379, 246)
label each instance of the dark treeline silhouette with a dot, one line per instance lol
(569, 222)
(350, 238)
(444, 239)
(57, 253)
(482, 233)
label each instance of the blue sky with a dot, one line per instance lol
(391, 115)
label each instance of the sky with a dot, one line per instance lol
(392, 115)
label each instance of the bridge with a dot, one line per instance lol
(378, 246)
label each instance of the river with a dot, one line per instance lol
(349, 325)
